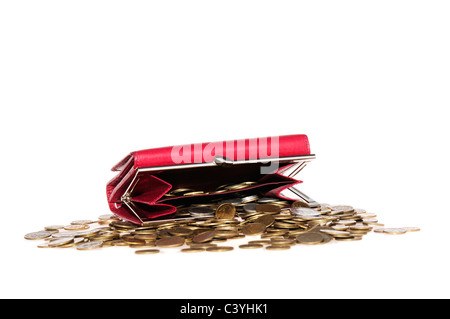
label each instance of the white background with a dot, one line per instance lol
(83, 83)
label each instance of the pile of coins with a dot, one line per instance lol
(279, 224)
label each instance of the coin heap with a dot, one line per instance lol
(279, 224)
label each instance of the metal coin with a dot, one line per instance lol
(305, 212)
(180, 231)
(411, 229)
(344, 208)
(394, 231)
(253, 229)
(278, 247)
(60, 241)
(300, 204)
(201, 211)
(76, 227)
(54, 227)
(336, 233)
(90, 245)
(39, 235)
(167, 242)
(310, 238)
(250, 246)
(225, 211)
(219, 248)
(250, 208)
(82, 222)
(268, 208)
(146, 251)
(204, 236)
(266, 220)
(248, 199)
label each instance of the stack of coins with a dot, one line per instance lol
(268, 223)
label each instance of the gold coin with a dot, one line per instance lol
(250, 246)
(204, 236)
(348, 238)
(262, 242)
(145, 236)
(219, 248)
(193, 193)
(310, 238)
(130, 240)
(225, 211)
(54, 227)
(266, 220)
(226, 234)
(192, 250)
(278, 247)
(268, 208)
(174, 241)
(411, 229)
(204, 245)
(252, 229)
(300, 204)
(146, 251)
(282, 242)
(180, 231)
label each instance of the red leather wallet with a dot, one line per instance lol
(137, 192)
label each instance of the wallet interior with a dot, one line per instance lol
(147, 190)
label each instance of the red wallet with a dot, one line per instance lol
(139, 192)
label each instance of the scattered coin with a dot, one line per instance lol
(90, 245)
(252, 229)
(250, 246)
(225, 211)
(174, 241)
(278, 247)
(201, 224)
(54, 227)
(39, 235)
(310, 238)
(219, 248)
(204, 236)
(394, 231)
(146, 251)
(76, 227)
(60, 241)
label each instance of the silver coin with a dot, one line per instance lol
(201, 211)
(250, 207)
(305, 212)
(90, 245)
(264, 200)
(39, 234)
(394, 230)
(248, 199)
(82, 222)
(60, 241)
(232, 201)
(65, 235)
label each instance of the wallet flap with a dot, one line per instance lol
(235, 150)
